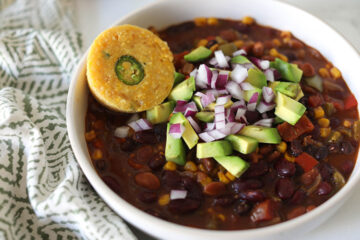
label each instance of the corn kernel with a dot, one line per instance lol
(190, 166)
(223, 178)
(324, 122)
(276, 42)
(221, 217)
(170, 166)
(89, 136)
(324, 72)
(319, 112)
(285, 34)
(273, 52)
(230, 176)
(281, 147)
(325, 132)
(328, 65)
(202, 42)
(97, 154)
(201, 167)
(347, 123)
(214, 47)
(164, 199)
(289, 158)
(286, 40)
(248, 20)
(201, 21)
(239, 43)
(212, 21)
(335, 73)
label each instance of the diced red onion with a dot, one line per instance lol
(265, 122)
(239, 74)
(237, 128)
(141, 124)
(264, 115)
(268, 94)
(222, 79)
(217, 93)
(234, 89)
(251, 106)
(121, 132)
(178, 194)
(205, 136)
(193, 73)
(198, 94)
(135, 126)
(227, 129)
(220, 124)
(176, 130)
(213, 61)
(223, 99)
(240, 113)
(246, 86)
(220, 58)
(269, 73)
(214, 78)
(203, 76)
(230, 115)
(189, 112)
(216, 134)
(265, 107)
(248, 65)
(194, 124)
(180, 106)
(209, 126)
(219, 109)
(238, 104)
(264, 64)
(239, 52)
(219, 117)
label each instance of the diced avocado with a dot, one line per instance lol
(256, 78)
(240, 59)
(228, 48)
(205, 116)
(184, 90)
(242, 144)
(288, 71)
(178, 78)
(315, 82)
(197, 101)
(249, 93)
(213, 149)
(288, 109)
(190, 137)
(160, 113)
(199, 54)
(233, 164)
(262, 134)
(300, 95)
(273, 85)
(288, 88)
(211, 106)
(174, 149)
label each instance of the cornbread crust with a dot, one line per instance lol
(153, 53)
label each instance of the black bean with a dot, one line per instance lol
(224, 201)
(129, 145)
(298, 197)
(252, 195)
(321, 153)
(193, 187)
(252, 116)
(324, 189)
(257, 169)
(334, 147)
(310, 149)
(147, 137)
(285, 188)
(112, 183)
(181, 206)
(156, 162)
(346, 147)
(291, 56)
(334, 122)
(171, 180)
(285, 168)
(347, 166)
(100, 164)
(160, 132)
(241, 185)
(295, 148)
(242, 207)
(326, 171)
(148, 197)
(241, 27)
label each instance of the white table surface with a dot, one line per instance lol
(93, 16)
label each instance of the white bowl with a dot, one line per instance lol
(279, 15)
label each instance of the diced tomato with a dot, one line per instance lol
(289, 132)
(338, 104)
(350, 102)
(315, 100)
(179, 59)
(306, 161)
(263, 211)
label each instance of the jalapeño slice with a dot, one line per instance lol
(129, 70)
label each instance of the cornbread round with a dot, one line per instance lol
(149, 50)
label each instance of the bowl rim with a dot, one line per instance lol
(131, 213)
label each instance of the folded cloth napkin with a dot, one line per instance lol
(43, 193)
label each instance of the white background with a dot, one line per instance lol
(93, 16)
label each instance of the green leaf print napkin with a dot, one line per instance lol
(43, 193)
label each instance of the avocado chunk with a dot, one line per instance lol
(249, 93)
(197, 101)
(242, 144)
(211, 106)
(233, 164)
(184, 90)
(288, 71)
(273, 85)
(256, 78)
(205, 116)
(228, 48)
(288, 88)
(240, 59)
(197, 55)
(174, 149)
(288, 109)
(300, 95)
(160, 113)
(315, 82)
(262, 134)
(190, 137)
(178, 78)
(213, 149)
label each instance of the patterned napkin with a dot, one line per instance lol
(43, 193)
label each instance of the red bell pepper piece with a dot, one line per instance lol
(350, 102)
(306, 161)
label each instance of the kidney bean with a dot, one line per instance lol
(295, 212)
(346, 147)
(147, 137)
(257, 169)
(187, 68)
(148, 197)
(326, 171)
(241, 27)
(315, 53)
(240, 185)
(324, 189)
(298, 197)
(224, 201)
(321, 153)
(194, 189)
(144, 154)
(171, 180)
(112, 183)
(129, 145)
(295, 148)
(273, 156)
(160, 132)
(285, 188)
(308, 69)
(229, 35)
(347, 166)
(156, 162)
(252, 195)
(258, 49)
(295, 44)
(100, 164)
(215, 188)
(285, 168)
(300, 54)
(181, 206)
(264, 150)
(208, 163)
(134, 164)
(309, 177)
(147, 180)
(242, 207)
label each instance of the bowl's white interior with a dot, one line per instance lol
(163, 13)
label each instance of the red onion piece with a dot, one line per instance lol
(214, 78)
(265, 107)
(219, 109)
(176, 130)
(265, 122)
(180, 106)
(269, 73)
(216, 134)
(209, 127)
(220, 58)
(239, 74)
(144, 124)
(246, 86)
(219, 117)
(222, 100)
(213, 61)
(178, 194)
(268, 94)
(220, 124)
(251, 106)
(264, 115)
(264, 64)
(238, 104)
(217, 93)
(121, 132)
(239, 52)
(194, 124)
(135, 126)
(237, 127)
(230, 115)
(205, 136)
(203, 76)
(193, 73)
(189, 112)
(240, 113)
(227, 129)
(234, 89)
(222, 79)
